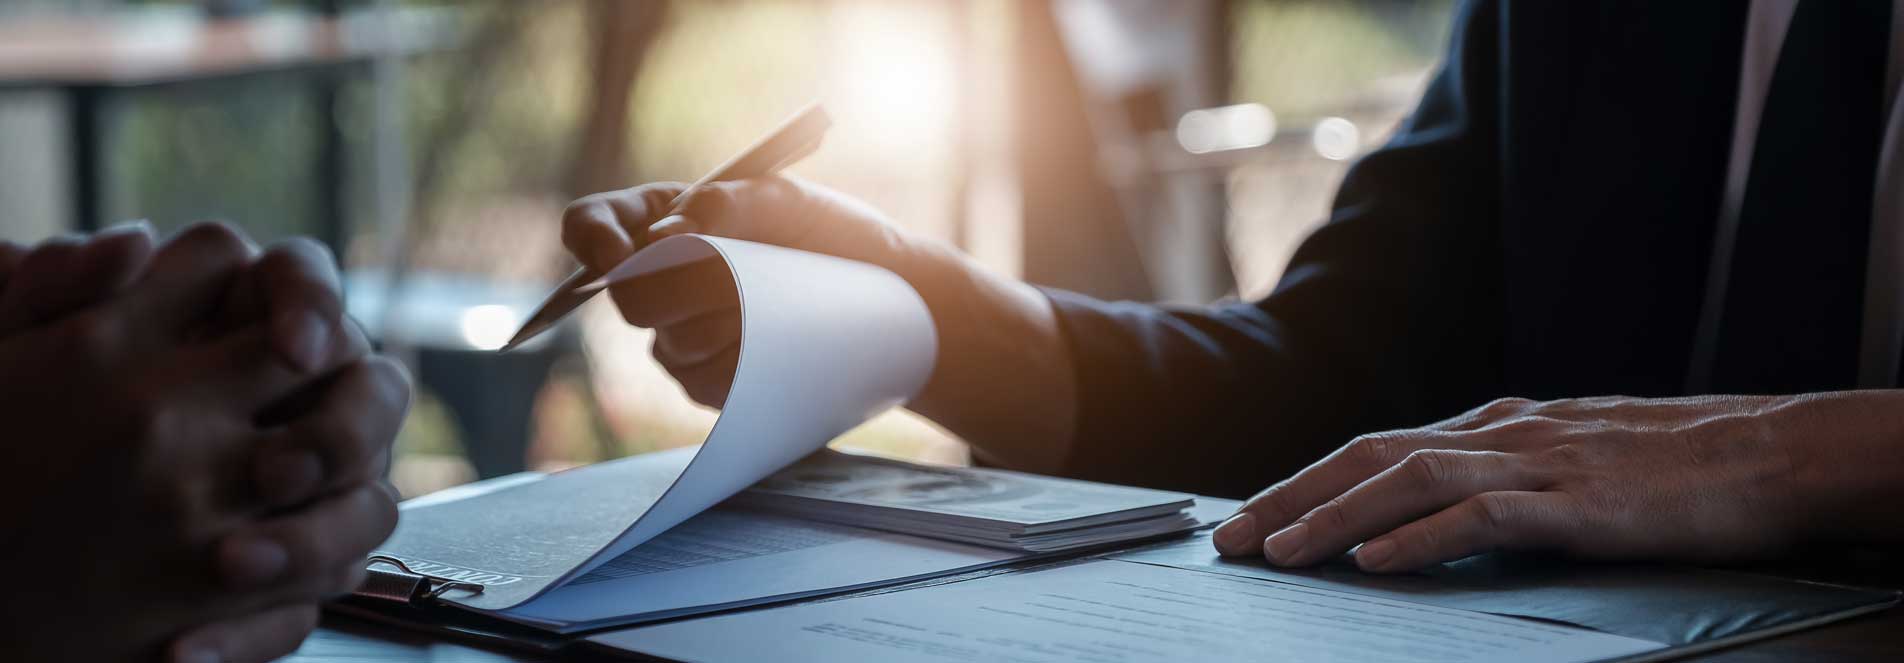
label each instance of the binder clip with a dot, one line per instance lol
(406, 585)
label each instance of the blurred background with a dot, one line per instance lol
(1161, 150)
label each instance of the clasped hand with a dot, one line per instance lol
(196, 440)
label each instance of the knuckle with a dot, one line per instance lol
(348, 342)
(1429, 540)
(1501, 407)
(1493, 510)
(215, 236)
(1428, 467)
(1333, 514)
(710, 203)
(582, 217)
(393, 382)
(145, 417)
(299, 251)
(584, 208)
(306, 272)
(1565, 454)
(350, 452)
(1374, 449)
(91, 336)
(1278, 501)
(52, 253)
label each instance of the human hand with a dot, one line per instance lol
(987, 325)
(694, 309)
(322, 473)
(154, 467)
(1702, 478)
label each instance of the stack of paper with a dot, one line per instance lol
(994, 508)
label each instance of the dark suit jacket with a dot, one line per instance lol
(1539, 227)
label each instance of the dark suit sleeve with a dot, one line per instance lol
(1388, 316)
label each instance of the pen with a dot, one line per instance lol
(796, 138)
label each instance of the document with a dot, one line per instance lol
(991, 507)
(826, 343)
(1014, 500)
(729, 558)
(1672, 604)
(1109, 611)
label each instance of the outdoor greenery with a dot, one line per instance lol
(720, 72)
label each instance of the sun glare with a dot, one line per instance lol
(894, 73)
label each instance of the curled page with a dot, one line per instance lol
(826, 343)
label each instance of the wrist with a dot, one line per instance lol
(1003, 378)
(1847, 456)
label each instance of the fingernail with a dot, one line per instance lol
(670, 226)
(288, 477)
(199, 655)
(1234, 535)
(1374, 554)
(254, 561)
(1283, 546)
(302, 336)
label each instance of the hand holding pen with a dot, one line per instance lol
(798, 137)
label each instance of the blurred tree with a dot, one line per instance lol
(623, 34)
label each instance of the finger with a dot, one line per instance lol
(602, 229)
(313, 552)
(707, 382)
(265, 636)
(1483, 523)
(240, 373)
(301, 297)
(698, 339)
(1281, 504)
(1423, 483)
(345, 440)
(39, 273)
(10, 255)
(189, 275)
(68, 274)
(772, 210)
(786, 211)
(677, 294)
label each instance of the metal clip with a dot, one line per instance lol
(409, 585)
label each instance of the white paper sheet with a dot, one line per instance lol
(1110, 611)
(825, 344)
